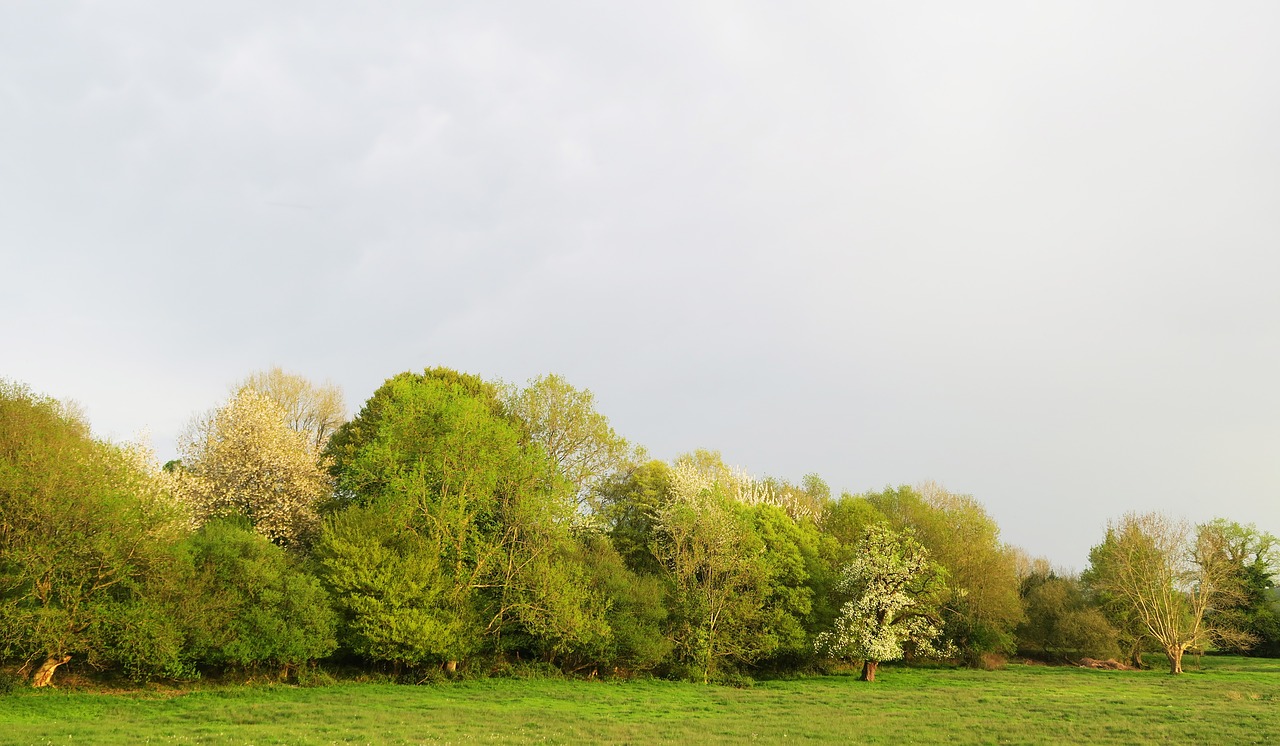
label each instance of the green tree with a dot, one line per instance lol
(563, 420)
(635, 613)
(983, 606)
(1252, 557)
(259, 607)
(1167, 580)
(85, 533)
(629, 502)
(397, 603)
(1062, 622)
(719, 583)
(895, 592)
(486, 505)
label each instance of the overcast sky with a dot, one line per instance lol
(1027, 250)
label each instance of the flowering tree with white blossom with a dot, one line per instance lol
(245, 459)
(895, 592)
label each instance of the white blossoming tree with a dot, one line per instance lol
(245, 459)
(895, 592)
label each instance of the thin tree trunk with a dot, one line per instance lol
(869, 670)
(451, 666)
(44, 674)
(1135, 655)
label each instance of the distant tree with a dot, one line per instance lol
(1168, 580)
(244, 459)
(563, 420)
(1061, 621)
(315, 410)
(1252, 556)
(705, 541)
(895, 592)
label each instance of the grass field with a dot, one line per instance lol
(1231, 700)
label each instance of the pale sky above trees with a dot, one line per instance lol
(1027, 250)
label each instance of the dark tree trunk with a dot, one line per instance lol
(44, 674)
(869, 670)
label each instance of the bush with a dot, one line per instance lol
(260, 607)
(9, 681)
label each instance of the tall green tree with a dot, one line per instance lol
(481, 509)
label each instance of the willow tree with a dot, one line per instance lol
(1167, 578)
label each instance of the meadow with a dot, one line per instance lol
(1221, 700)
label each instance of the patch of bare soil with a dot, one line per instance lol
(1110, 664)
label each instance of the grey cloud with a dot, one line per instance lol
(1023, 249)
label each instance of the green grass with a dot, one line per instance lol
(1232, 700)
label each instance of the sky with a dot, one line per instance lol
(1027, 250)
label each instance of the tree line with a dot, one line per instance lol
(457, 525)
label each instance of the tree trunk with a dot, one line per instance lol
(44, 674)
(1175, 660)
(451, 666)
(869, 670)
(1135, 658)
(1135, 654)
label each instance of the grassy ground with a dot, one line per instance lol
(1231, 700)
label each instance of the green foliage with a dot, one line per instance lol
(984, 606)
(1061, 622)
(259, 607)
(1252, 557)
(629, 503)
(895, 593)
(84, 533)
(636, 612)
(396, 602)
(481, 528)
(719, 581)
(564, 422)
(791, 555)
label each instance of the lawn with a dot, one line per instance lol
(1229, 700)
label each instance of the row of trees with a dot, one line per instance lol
(456, 523)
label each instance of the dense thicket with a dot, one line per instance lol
(456, 524)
